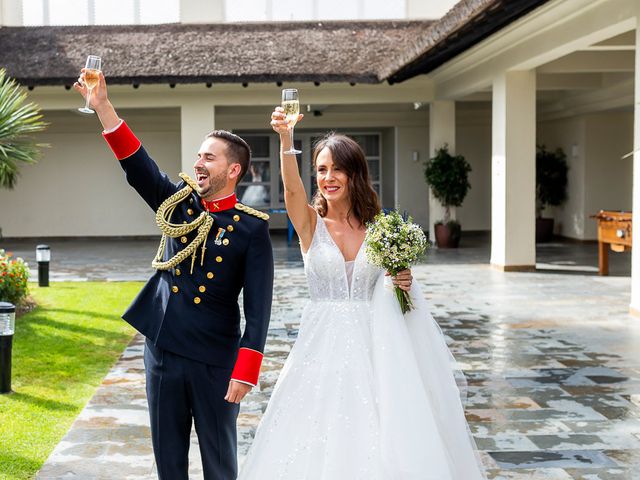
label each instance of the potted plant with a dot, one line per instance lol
(448, 177)
(551, 187)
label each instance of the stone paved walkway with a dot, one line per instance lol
(552, 360)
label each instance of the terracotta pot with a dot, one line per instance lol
(544, 230)
(447, 236)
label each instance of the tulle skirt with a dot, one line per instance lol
(366, 393)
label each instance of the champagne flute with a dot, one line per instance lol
(291, 106)
(91, 79)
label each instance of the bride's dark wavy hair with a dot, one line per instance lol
(349, 156)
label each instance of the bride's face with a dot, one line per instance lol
(333, 182)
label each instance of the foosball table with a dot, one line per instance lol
(614, 231)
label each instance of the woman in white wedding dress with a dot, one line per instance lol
(366, 393)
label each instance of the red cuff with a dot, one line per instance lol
(247, 367)
(122, 141)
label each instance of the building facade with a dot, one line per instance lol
(489, 78)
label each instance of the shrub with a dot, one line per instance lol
(551, 178)
(14, 274)
(448, 177)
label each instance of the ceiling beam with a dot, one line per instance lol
(603, 99)
(569, 81)
(585, 62)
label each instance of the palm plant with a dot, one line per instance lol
(18, 121)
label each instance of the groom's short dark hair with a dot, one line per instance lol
(238, 150)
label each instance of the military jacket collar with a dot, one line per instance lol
(225, 203)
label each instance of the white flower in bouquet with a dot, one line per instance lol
(394, 243)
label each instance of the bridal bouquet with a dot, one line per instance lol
(394, 243)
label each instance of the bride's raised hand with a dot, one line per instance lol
(279, 123)
(403, 279)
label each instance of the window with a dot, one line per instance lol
(255, 188)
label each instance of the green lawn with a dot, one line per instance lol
(61, 352)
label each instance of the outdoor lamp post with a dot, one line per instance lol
(7, 328)
(43, 256)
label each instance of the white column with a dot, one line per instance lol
(442, 130)
(634, 307)
(196, 120)
(11, 13)
(197, 11)
(513, 171)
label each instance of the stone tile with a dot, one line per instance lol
(553, 459)
(526, 474)
(551, 360)
(614, 473)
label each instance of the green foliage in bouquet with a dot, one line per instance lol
(14, 274)
(394, 243)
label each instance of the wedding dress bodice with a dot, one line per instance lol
(327, 274)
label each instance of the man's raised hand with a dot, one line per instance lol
(99, 100)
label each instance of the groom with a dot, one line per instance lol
(198, 366)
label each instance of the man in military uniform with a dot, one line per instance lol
(198, 365)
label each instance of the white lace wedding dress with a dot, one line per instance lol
(366, 392)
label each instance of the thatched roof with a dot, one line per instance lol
(466, 24)
(331, 51)
(218, 53)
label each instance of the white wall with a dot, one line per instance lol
(609, 179)
(412, 193)
(570, 135)
(10, 13)
(288, 10)
(77, 12)
(473, 141)
(428, 8)
(598, 178)
(78, 188)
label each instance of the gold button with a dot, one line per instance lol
(190, 211)
(174, 289)
(225, 241)
(184, 221)
(191, 200)
(183, 239)
(202, 288)
(236, 218)
(218, 259)
(209, 275)
(230, 228)
(178, 272)
(196, 300)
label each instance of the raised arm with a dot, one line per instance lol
(142, 173)
(301, 214)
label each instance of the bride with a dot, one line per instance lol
(366, 393)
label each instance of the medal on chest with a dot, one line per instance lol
(219, 235)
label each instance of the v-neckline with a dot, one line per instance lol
(336, 245)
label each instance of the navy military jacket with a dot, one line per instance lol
(196, 313)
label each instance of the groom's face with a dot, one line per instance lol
(212, 169)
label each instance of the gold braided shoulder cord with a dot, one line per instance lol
(251, 211)
(203, 223)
